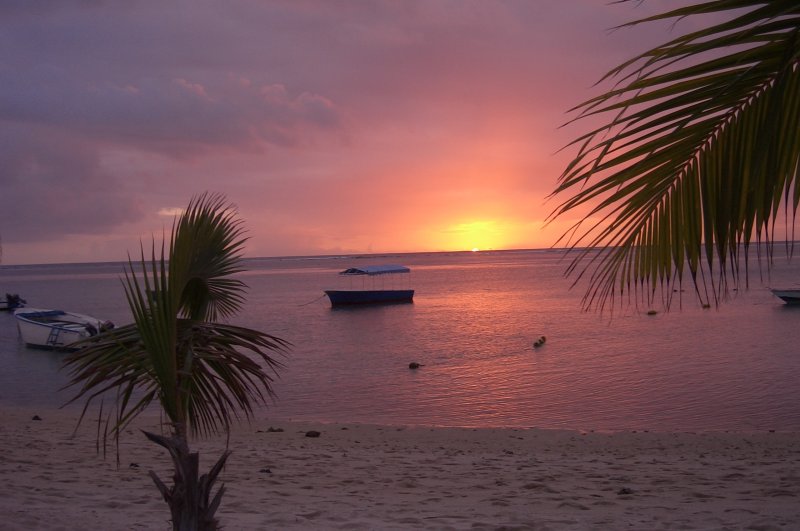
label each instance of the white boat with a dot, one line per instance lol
(11, 302)
(375, 295)
(789, 296)
(56, 329)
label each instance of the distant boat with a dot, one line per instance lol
(371, 296)
(57, 329)
(11, 302)
(789, 296)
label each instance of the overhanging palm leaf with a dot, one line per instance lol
(700, 156)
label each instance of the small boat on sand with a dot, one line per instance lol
(377, 294)
(11, 302)
(789, 296)
(57, 329)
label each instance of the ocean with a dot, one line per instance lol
(472, 326)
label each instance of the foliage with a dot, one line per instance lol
(175, 352)
(202, 372)
(697, 161)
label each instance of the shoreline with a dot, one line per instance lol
(384, 477)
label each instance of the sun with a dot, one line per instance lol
(475, 235)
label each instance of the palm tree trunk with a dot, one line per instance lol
(189, 498)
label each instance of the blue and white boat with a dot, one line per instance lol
(56, 329)
(374, 277)
(789, 296)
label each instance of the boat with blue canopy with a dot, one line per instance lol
(370, 277)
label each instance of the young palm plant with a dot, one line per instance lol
(179, 353)
(698, 159)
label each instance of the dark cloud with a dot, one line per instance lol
(53, 185)
(164, 112)
(152, 75)
(82, 79)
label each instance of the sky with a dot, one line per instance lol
(334, 127)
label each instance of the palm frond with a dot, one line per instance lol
(699, 156)
(202, 373)
(206, 251)
(232, 370)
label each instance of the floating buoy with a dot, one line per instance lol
(414, 365)
(539, 342)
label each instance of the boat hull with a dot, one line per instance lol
(55, 329)
(789, 296)
(359, 297)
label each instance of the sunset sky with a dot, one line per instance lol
(333, 126)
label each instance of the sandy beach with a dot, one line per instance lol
(373, 477)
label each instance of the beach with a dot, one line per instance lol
(388, 477)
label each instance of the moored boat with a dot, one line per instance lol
(789, 296)
(57, 329)
(11, 302)
(376, 295)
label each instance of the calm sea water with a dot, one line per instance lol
(472, 325)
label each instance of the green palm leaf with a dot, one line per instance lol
(202, 372)
(698, 160)
(206, 251)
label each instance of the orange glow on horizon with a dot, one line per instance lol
(476, 235)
